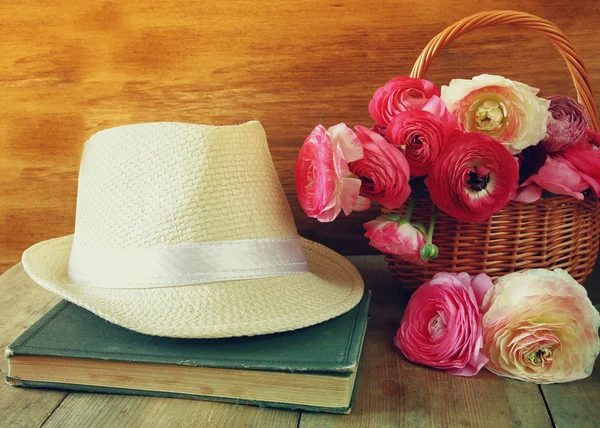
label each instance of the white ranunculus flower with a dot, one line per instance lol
(504, 109)
(540, 326)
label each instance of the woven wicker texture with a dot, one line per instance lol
(555, 232)
(585, 94)
(158, 184)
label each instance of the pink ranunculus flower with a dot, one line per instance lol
(442, 325)
(400, 94)
(592, 137)
(567, 124)
(422, 134)
(558, 176)
(540, 326)
(585, 156)
(381, 130)
(392, 235)
(506, 110)
(383, 170)
(473, 177)
(324, 183)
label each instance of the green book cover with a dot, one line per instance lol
(331, 348)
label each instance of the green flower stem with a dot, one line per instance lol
(429, 250)
(411, 208)
(432, 224)
(413, 202)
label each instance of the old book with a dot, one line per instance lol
(314, 368)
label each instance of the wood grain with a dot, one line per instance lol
(395, 393)
(19, 308)
(71, 68)
(96, 410)
(391, 391)
(22, 407)
(576, 404)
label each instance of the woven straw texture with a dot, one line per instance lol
(232, 308)
(158, 184)
(555, 232)
(171, 183)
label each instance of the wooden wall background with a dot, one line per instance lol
(71, 68)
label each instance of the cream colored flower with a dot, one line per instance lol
(540, 326)
(506, 110)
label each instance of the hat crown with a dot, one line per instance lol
(167, 183)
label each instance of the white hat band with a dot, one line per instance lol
(184, 264)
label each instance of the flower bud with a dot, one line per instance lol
(429, 251)
(393, 235)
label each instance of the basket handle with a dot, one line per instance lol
(585, 95)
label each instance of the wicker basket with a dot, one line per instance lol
(555, 232)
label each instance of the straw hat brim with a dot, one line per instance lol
(224, 309)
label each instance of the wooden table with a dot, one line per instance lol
(391, 391)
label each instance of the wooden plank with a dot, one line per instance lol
(575, 404)
(393, 392)
(19, 308)
(23, 305)
(70, 68)
(80, 410)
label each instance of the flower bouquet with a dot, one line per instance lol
(515, 179)
(480, 175)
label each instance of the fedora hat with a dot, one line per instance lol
(184, 230)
